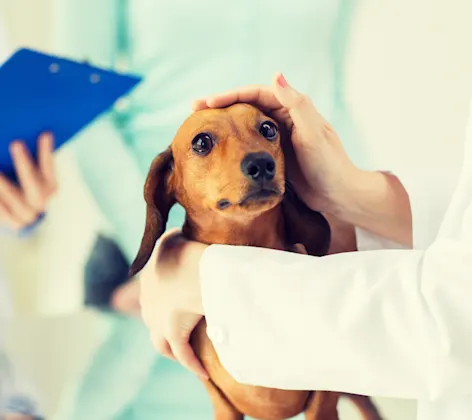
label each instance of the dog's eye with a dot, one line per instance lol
(269, 130)
(202, 144)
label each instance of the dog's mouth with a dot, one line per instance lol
(260, 195)
(254, 196)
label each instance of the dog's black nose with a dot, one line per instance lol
(258, 167)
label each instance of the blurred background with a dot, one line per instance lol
(407, 84)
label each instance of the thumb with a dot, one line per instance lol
(169, 234)
(170, 240)
(301, 109)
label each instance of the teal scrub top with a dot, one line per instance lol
(185, 49)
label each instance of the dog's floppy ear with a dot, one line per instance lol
(159, 196)
(303, 225)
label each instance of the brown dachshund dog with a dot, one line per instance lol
(226, 168)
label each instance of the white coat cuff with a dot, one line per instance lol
(368, 241)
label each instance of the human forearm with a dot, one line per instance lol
(379, 203)
(406, 208)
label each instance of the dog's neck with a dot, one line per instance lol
(265, 230)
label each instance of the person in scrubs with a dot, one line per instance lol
(22, 206)
(397, 313)
(183, 49)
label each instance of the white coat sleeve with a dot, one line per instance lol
(394, 323)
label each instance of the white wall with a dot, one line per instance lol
(409, 81)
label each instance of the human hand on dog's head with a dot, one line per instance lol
(170, 297)
(319, 169)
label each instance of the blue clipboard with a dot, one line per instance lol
(41, 92)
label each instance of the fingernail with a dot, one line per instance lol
(196, 103)
(50, 139)
(15, 147)
(209, 99)
(281, 81)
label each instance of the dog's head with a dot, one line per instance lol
(229, 161)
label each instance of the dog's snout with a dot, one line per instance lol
(258, 167)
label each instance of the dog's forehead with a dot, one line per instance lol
(235, 118)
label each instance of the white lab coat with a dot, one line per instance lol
(390, 322)
(16, 391)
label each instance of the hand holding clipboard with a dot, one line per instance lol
(21, 203)
(39, 94)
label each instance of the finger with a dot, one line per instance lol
(199, 104)
(170, 237)
(185, 355)
(125, 298)
(46, 161)
(169, 241)
(7, 219)
(259, 95)
(162, 346)
(28, 175)
(14, 201)
(171, 233)
(169, 244)
(301, 109)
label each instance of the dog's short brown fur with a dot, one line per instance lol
(227, 169)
